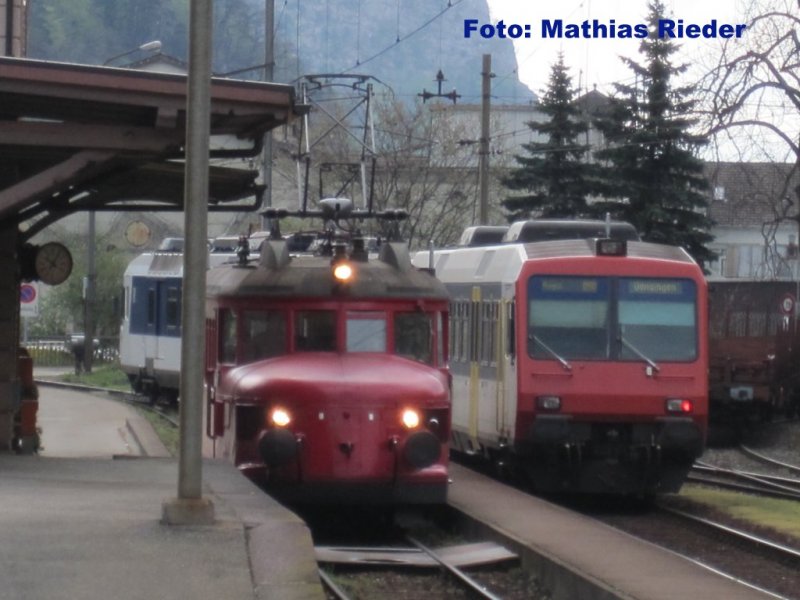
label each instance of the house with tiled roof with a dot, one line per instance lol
(755, 210)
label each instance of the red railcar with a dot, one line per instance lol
(753, 350)
(330, 389)
(582, 361)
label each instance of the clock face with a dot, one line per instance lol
(53, 263)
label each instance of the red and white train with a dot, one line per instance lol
(327, 375)
(584, 361)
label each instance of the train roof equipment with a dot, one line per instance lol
(541, 230)
(483, 235)
(503, 263)
(278, 273)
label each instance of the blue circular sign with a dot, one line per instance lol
(27, 293)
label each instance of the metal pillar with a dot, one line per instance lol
(90, 305)
(269, 74)
(483, 165)
(9, 334)
(12, 43)
(190, 508)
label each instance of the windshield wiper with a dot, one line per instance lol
(553, 353)
(638, 352)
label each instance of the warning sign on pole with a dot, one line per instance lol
(29, 300)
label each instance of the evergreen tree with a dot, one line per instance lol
(652, 177)
(554, 173)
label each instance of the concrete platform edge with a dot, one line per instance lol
(267, 525)
(288, 575)
(146, 438)
(564, 581)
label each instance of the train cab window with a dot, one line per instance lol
(568, 318)
(263, 334)
(315, 331)
(657, 319)
(413, 336)
(366, 332)
(227, 336)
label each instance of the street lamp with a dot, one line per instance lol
(153, 46)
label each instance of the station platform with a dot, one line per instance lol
(579, 557)
(83, 518)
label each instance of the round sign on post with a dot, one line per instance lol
(28, 300)
(787, 304)
(27, 293)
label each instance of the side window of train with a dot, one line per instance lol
(227, 336)
(151, 307)
(366, 332)
(440, 348)
(489, 311)
(460, 346)
(315, 331)
(413, 336)
(264, 334)
(173, 316)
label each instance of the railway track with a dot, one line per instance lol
(466, 585)
(767, 565)
(746, 481)
(789, 554)
(418, 553)
(749, 471)
(768, 460)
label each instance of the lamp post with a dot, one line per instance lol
(152, 46)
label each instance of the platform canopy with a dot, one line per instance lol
(77, 137)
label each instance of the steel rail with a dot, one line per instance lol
(331, 586)
(758, 478)
(766, 459)
(743, 487)
(468, 581)
(780, 550)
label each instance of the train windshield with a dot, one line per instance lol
(413, 336)
(612, 318)
(366, 332)
(264, 334)
(315, 331)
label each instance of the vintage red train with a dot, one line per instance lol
(327, 375)
(753, 341)
(582, 362)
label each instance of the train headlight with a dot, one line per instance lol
(343, 272)
(280, 417)
(679, 405)
(549, 403)
(410, 418)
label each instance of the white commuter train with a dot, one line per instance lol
(150, 334)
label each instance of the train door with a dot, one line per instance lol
(155, 318)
